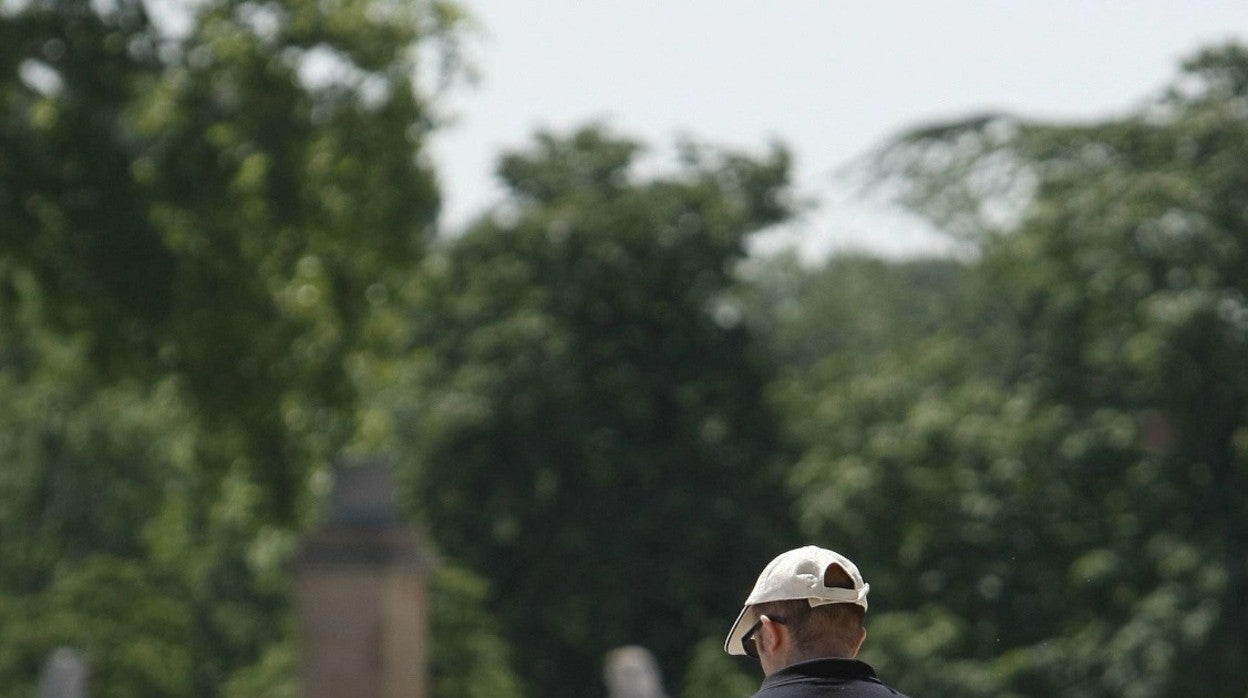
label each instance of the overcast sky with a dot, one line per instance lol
(829, 78)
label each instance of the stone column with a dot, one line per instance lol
(361, 597)
(64, 675)
(632, 672)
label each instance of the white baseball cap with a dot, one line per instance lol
(799, 574)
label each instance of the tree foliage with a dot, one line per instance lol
(202, 225)
(216, 276)
(590, 434)
(1054, 506)
(471, 658)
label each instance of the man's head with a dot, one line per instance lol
(808, 603)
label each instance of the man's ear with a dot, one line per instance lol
(772, 637)
(862, 635)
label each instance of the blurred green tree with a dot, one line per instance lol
(714, 674)
(1055, 505)
(133, 648)
(205, 223)
(471, 658)
(588, 430)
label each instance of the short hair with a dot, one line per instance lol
(841, 622)
(809, 625)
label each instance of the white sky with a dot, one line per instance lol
(829, 78)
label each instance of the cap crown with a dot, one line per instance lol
(799, 574)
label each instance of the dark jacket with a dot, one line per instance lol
(843, 678)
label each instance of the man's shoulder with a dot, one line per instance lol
(811, 689)
(847, 678)
(814, 690)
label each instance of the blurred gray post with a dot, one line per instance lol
(64, 675)
(632, 672)
(360, 595)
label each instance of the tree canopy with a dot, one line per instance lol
(219, 273)
(1054, 506)
(202, 227)
(590, 432)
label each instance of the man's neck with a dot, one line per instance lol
(807, 655)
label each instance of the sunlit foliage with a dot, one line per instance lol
(203, 218)
(1052, 504)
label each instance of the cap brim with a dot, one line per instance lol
(732, 644)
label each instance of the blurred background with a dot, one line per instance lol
(629, 299)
